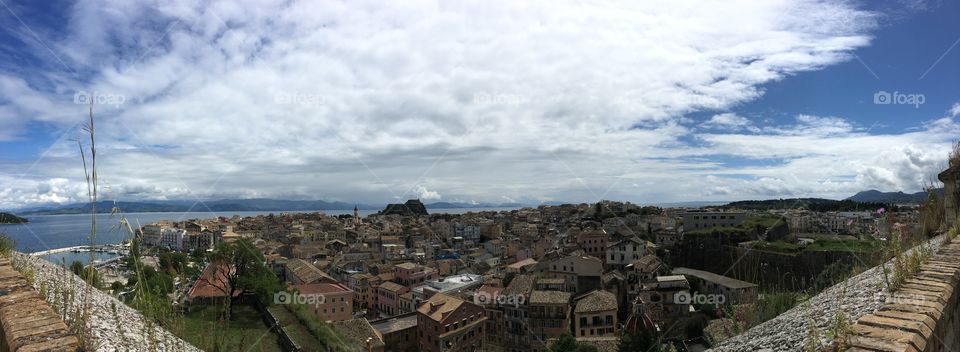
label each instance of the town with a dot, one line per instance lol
(608, 276)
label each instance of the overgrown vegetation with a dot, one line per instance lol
(7, 245)
(567, 343)
(813, 204)
(319, 329)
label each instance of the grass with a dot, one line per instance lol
(296, 330)
(825, 245)
(319, 329)
(245, 331)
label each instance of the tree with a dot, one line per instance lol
(567, 343)
(238, 268)
(507, 279)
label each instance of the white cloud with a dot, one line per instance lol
(425, 194)
(361, 100)
(729, 121)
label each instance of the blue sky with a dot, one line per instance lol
(478, 101)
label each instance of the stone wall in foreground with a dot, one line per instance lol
(922, 315)
(26, 320)
(862, 295)
(112, 325)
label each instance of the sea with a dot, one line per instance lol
(46, 232)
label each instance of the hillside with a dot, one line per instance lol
(7, 218)
(891, 197)
(815, 204)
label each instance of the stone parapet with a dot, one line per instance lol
(922, 315)
(26, 320)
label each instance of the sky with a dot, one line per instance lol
(476, 101)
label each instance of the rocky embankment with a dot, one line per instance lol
(858, 296)
(112, 325)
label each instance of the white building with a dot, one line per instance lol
(624, 252)
(172, 238)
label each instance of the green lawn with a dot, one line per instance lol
(245, 332)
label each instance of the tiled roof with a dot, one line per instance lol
(549, 297)
(391, 286)
(321, 288)
(520, 285)
(596, 301)
(647, 264)
(438, 305)
(306, 272)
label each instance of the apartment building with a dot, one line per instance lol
(447, 323)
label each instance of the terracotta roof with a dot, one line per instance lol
(321, 288)
(439, 306)
(212, 282)
(596, 301)
(306, 272)
(391, 286)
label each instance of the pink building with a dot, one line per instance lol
(331, 302)
(413, 275)
(388, 298)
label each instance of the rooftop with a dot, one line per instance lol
(596, 301)
(394, 324)
(549, 297)
(437, 307)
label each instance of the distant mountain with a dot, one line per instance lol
(261, 204)
(452, 205)
(7, 218)
(891, 197)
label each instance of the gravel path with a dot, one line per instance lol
(858, 296)
(114, 326)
